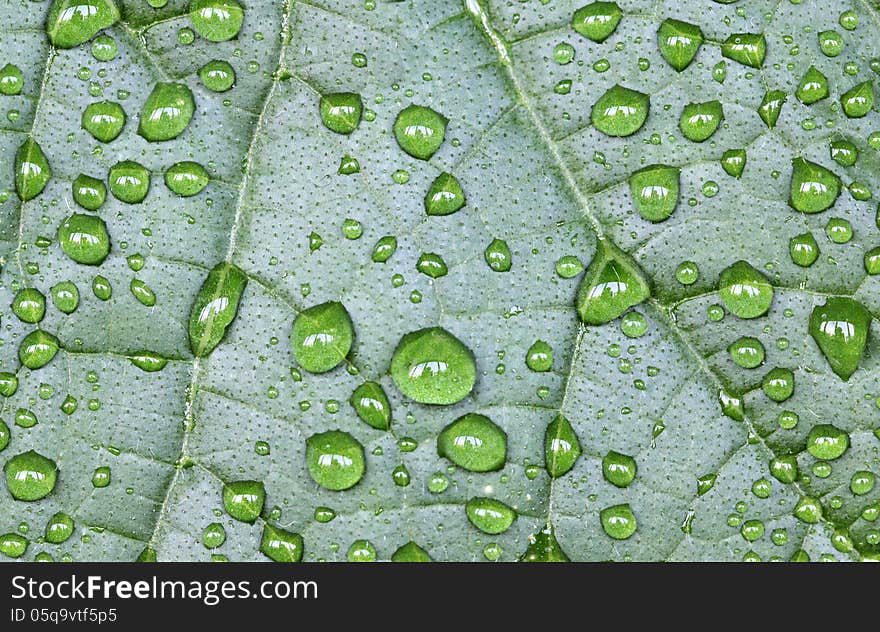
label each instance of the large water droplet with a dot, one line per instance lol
(679, 42)
(473, 442)
(744, 290)
(654, 191)
(420, 131)
(216, 20)
(84, 239)
(166, 112)
(813, 187)
(597, 20)
(322, 337)
(445, 196)
(748, 49)
(37, 349)
(618, 469)
(129, 181)
(243, 500)
(620, 111)
(489, 515)
(90, 193)
(280, 545)
(341, 111)
(30, 476)
(410, 552)
(700, 120)
(74, 22)
(32, 171)
(186, 178)
(618, 521)
(561, 447)
(813, 87)
(827, 442)
(29, 305)
(335, 459)
(858, 100)
(840, 328)
(431, 366)
(611, 285)
(215, 307)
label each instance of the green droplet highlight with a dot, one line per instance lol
(748, 49)
(410, 552)
(840, 328)
(747, 352)
(420, 131)
(473, 442)
(744, 290)
(90, 193)
(215, 307)
(335, 459)
(539, 357)
(858, 100)
(129, 181)
(679, 42)
(341, 111)
(216, 20)
(620, 111)
(803, 249)
(32, 171)
(243, 500)
(166, 112)
(37, 349)
(104, 120)
(597, 20)
(445, 195)
(280, 545)
(217, 75)
(561, 447)
(371, 405)
(84, 239)
(687, 273)
(618, 521)
(827, 442)
(700, 120)
(813, 187)
(498, 256)
(618, 469)
(778, 384)
(30, 476)
(29, 305)
(733, 161)
(813, 87)
(771, 106)
(489, 515)
(611, 285)
(431, 366)
(186, 178)
(74, 22)
(654, 190)
(544, 547)
(322, 337)
(59, 528)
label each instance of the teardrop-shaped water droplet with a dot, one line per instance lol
(778, 384)
(748, 49)
(744, 290)
(335, 459)
(498, 256)
(679, 42)
(431, 264)
(341, 111)
(322, 337)
(561, 447)
(372, 406)
(74, 22)
(213, 536)
(84, 239)
(13, 545)
(539, 357)
(148, 361)
(858, 100)
(243, 500)
(813, 187)
(410, 552)
(473, 442)
(489, 515)
(59, 528)
(104, 120)
(215, 307)
(840, 328)
(771, 106)
(280, 545)
(142, 292)
(803, 249)
(65, 296)
(808, 510)
(784, 468)
(384, 248)
(420, 131)
(11, 80)
(166, 112)
(431, 366)
(618, 469)
(655, 191)
(30, 476)
(445, 195)
(612, 284)
(732, 405)
(37, 349)
(813, 87)
(733, 161)
(544, 547)
(700, 120)
(597, 20)
(90, 193)
(620, 111)
(32, 171)
(216, 20)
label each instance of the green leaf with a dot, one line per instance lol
(482, 134)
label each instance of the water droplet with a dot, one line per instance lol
(655, 191)
(32, 171)
(166, 112)
(431, 366)
(752, 530)
(778, 384)
(563, 53)
(70, 24)
(733, 161)
(858, 100)
(322, 337)
(731, 405)
(705, 483)
(216, 20)
(620, 111)
(489, 515)
(813, 87)
(700, 120)
(840, 328)
(498, 256)
(813, 187)
(808, 510)
(420, 131)
(633, 324)
(59, 528)
(410, 552)
(104, 120)
(101, 288)
(243, 500)
(84, 239)
(29, 305)
(104, 48)
(37, 349)
(384, 248)
(341, 111)
(862, 482)
(539, 357)
(838, 230)
(12, 80)
(762, 488)
(747, 352)
(280, 545)
(213, 536)
(719, 71)
(431, 264)
(335, 459)
(215, 307)
(186, 178)
(771, 106)
(569, 266)
(679, 42)
(827, 442)
(618, 521)
(561, 447)
(8, 386)
(142, 292)
(784, 468)
(544, 547)
(744, 290)
(129, 181)
(217, 75)
(618, 469)
(437, 483)
(748, 49)
(872, 261)
(30, 476)
(445, 196)
(13, 545)
(803, 249)
(597, 20)
(372, 406)
(361, 551)
(90, 193)
(473, 442)
(612, 284)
